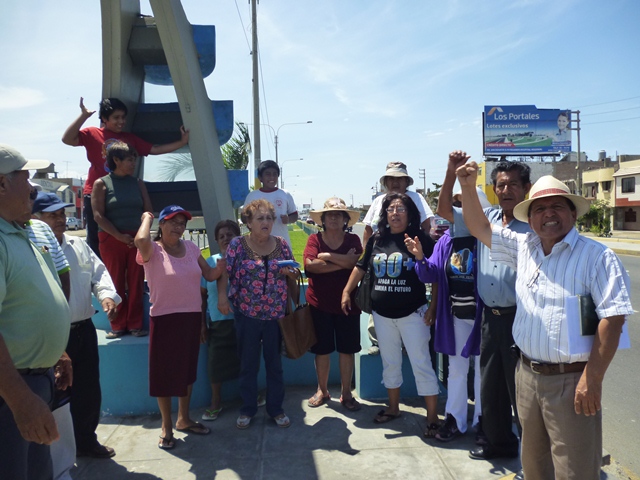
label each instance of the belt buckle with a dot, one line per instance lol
(536, 367)
(495, 311)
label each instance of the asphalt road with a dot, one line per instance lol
(621, 389)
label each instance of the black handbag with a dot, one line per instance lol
(363, 294)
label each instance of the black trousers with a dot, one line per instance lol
(86, 395)
(91, 226)
(497, 384)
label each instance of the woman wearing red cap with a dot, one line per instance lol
(173, 268)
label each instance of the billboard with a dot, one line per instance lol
(525, 130)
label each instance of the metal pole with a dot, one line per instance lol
(275, 141)
(256, 91)
(578, 166)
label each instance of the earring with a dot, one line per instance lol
(387, 225)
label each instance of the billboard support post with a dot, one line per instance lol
(578, 166)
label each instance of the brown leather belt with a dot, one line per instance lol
(552, 368)
(33, 371)
(501, 310)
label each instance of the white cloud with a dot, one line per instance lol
(19, 97)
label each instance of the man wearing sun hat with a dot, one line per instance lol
(558, 394)
(34, 327)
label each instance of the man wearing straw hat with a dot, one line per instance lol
(558, 392)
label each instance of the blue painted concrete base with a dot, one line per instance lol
(124, 373)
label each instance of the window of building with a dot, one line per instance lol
(606, 186)
(629, 185)
(630, 215)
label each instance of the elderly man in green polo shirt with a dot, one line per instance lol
(34, 327)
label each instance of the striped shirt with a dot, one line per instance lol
(43, 237)
(576, 266)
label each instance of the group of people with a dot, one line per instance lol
(501, 280)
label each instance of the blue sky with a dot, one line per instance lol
(381, 80)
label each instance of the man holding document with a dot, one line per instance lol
(558, 390)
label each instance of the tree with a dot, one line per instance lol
(235, 156)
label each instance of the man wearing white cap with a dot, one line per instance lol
(34, 327)
(558, 393)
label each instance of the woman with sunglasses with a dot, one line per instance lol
(399, 302)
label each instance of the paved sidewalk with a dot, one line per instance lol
(322, 443)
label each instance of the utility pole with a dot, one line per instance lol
(578, 167)
(256, 92)
(423, 177)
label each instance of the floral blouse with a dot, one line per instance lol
(256, 289)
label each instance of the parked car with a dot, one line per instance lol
(73, 223)
(438, 226)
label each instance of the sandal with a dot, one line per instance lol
(243, 422)
(432, 430)
(318, 400)
(139, 333)
(383, 417)
(196, 429)
(350, 404)
(282, 421)
(210, 415)
(166, 443)
(115, 334)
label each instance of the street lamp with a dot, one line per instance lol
(278, 130)
(290, 176)
(282, 169)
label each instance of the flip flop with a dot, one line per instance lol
(318, 400)
(210, 415)
(196, 429)
(166, 443)
(350, 404)
(383, 417)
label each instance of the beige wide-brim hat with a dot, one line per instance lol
(396, 169)
(549, 186)
(335, 204)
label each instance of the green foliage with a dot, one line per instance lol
(298, 242)
(235, 156)
(598, 219)
(235, 153)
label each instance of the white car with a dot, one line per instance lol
(73, 223)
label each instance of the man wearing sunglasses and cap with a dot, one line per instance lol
(34, 328)
(558, 391)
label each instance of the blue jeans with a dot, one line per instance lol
(19, 459)
(253, 334)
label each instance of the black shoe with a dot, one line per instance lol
(97, 451)
(449, 430)
(487, 452)
(519, 475)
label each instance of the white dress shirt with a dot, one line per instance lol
(88, 275)
(576, 266)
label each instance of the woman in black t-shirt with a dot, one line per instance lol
(399, 305)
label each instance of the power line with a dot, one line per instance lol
(611, 121)
(244, 30)
(606, 103)
(610, 111)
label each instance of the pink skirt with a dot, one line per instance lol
(174, 344)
